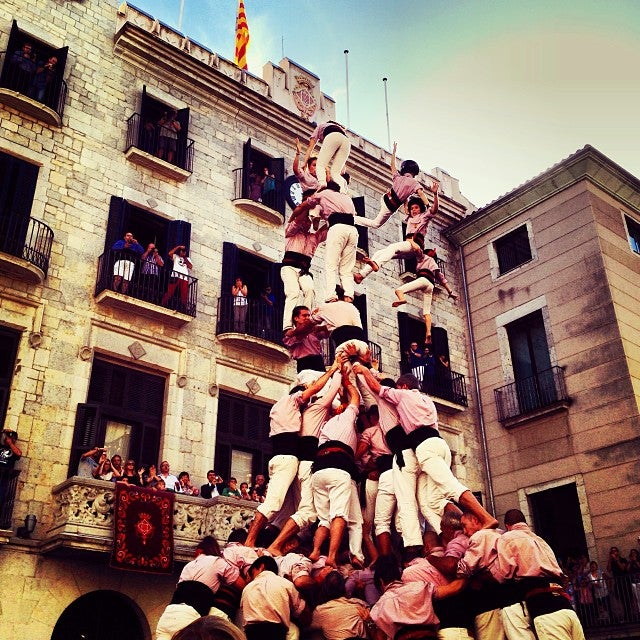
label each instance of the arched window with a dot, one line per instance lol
(102, 615)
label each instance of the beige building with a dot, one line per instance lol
(552, 271)
(99, 347)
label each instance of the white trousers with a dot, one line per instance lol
(334, 153)
(420, 284)
(340, 259)
(516, 622)
(298, 289)
(559, 625)
(396, 250)
(385, 503)
(489, 626)
(306, 513)
(454, 633)
(434, 459)
(282, 471)
(331, 494)
(354, 523)
(371, 495)
(379, 220)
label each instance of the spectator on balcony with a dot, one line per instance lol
(104, 471)
(116, 465)
(210, 489)
(232, 490)
(268, 301)
(126, 253)
(10, 453)
(152, 262)
(165, 474)
(168, 128)
(259, 487)
(240, 305)
(244, 491)
(44, 80)
(89, 462)
(268, 188)
(132, 476)
(23, 65)
(179, 279)
(184, 485)
(417, 360)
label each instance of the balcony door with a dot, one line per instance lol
(531, 362)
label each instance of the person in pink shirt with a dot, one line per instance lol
(404, 184)
(334, 153)
(303, 340)
(420, 213)
(427, 274)
(285, 422)
(307, 175)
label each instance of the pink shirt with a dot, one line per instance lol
(457, 546)
(481, 553)
(270, 598)
(402, 604)
(419, 223)
(285, 416)
(317, 413)
(421, 570)
(211, 570)
(298, 238)
(521, 554)
(404, 185)
(374, 438)
(332, 202)
(342, 428)
(337, 314)
(307, 180)
(427, 262)
(318, 132)
(303, 345)
(414, 408)
(239, 555)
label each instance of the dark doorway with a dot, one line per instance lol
(557, 518)
(102, 615)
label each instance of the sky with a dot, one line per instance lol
(494, 92)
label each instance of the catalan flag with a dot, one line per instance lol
(242, 37)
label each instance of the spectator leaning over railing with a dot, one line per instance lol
(128, 250)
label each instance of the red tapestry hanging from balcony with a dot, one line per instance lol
(143, 530)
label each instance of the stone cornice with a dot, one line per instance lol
(586, 164)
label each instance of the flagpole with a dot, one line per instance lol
(180, 15)
(386, 105)
(346, 62)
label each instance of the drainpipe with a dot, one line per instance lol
(476, 381)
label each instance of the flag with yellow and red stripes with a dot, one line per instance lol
(242, 37)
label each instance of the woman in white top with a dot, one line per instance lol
(240, 304)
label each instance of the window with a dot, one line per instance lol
(145, 283)
(633, 232)
(261, 178)
(9, 341)
(162, 131)
(513, 249)
(259, 319)
(35, 69)
(123, 412)
(242, 437)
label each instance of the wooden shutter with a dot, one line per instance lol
(440, 342)
(363, 232)
(178, 232)
(118, 220)
(229, 267)
(16, 40)
(88, 432)
(246, 168)
(276, 167)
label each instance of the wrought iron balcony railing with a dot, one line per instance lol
(410, 265)
(329, 352)
(440, 382)
(253, 190)
(52, 95)
(8, 485)
(255, 318)
(146, 135)
(523, 396)
(26, 238)
(125, 273)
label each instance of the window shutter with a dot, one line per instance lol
(246, 168)
(178, 232)
(440, 342)
(238, 418)
(276, 167)
(222, 461)
(363, 232)
(118, 219)
(229, 267)
(16, 40)
(88, 432)
(54, 94)
(182, 116)
(17, 186)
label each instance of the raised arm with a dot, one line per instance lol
(296, 159)
(393, 159)
(316, 386)
(371, 381)
(435, 187)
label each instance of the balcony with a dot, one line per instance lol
(25, 247)
(532, 397)
(8, 486)
(254, 325)
(267, 206)
(146, 294)
(17, 91)
(329, 352)
(143, 148)
(441, 384)
(83, 518)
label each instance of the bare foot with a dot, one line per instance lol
(314, 556)
(274, 551)
(427, 339)
(490, 523)
(358, 278)
(453, 296)
(331, 562)
(397, 303)
(371, 263)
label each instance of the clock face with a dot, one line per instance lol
(293, 191)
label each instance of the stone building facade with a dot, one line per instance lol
(158, 378)
(552, 269)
